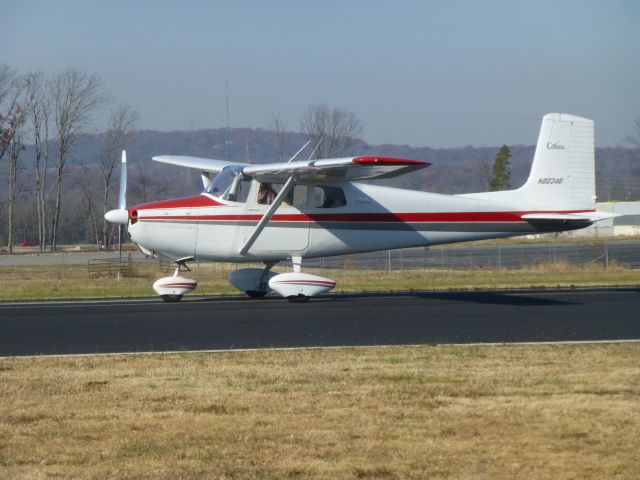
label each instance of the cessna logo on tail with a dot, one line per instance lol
(554, 146)
(550, 180)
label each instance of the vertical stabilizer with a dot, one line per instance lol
(562, 174)
(563, 171)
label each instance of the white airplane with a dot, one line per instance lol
(314, 208)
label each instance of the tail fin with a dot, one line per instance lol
(563, 171)
(562, 174)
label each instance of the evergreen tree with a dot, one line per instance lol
(500, 179)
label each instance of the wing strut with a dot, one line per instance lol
(267, 215)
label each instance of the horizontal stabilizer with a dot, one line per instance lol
(564, 217)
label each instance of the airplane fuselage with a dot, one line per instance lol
(323, 220)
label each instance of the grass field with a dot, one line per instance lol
(71, 281)
(444, 412)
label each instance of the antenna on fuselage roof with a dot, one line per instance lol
(315, 149)
(303, 147)
(246, 145)
(228, 140)
(298, 152)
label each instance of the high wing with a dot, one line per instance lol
(349, 168)
(198, 163)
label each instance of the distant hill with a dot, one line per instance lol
(454, 170)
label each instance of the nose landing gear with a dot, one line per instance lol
(171, 289)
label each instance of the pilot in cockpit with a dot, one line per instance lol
(266, 194)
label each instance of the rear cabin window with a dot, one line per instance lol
(328, 197)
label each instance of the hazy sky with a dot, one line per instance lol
(435, 73)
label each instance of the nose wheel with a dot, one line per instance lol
(300, 298)
(171, 298)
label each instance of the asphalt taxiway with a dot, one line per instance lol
(333, 320)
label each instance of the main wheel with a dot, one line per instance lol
(170, 298)
(298, 298)
(256, 293)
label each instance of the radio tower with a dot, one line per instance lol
(227, 143)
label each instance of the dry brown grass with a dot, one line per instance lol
(71, 281)
(548, 412)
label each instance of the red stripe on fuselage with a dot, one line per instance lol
(433, 217)
(187, 202)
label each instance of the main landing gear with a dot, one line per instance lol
(171, 289)
(253, 281)
(295, 286)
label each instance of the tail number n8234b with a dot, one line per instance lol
(550, 180)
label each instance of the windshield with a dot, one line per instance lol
(228, 184)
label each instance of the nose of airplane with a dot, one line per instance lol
(119, 216)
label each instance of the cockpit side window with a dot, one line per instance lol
(297, 196)
(241, 192)
(266, 194)
(325, 196)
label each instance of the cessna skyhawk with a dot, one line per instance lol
(315, 208)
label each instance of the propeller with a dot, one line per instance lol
(122, 197)
(120, 215)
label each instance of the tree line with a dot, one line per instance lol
(51, 113)
(44, 121)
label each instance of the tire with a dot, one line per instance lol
(256, 293)
(298, 298)
(171, 298)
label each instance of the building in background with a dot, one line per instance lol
(628, 224)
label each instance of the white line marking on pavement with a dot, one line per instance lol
(288, 349)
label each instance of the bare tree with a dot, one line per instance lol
(634, 138)
(88, 204)
(40, 113)
(6, 77)
(13, 133)
(279, 128)
(480, 171)
(142, 184)
(12, 106)
(16, 146)
(335, 130)
(121, 124)
(75, 97)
